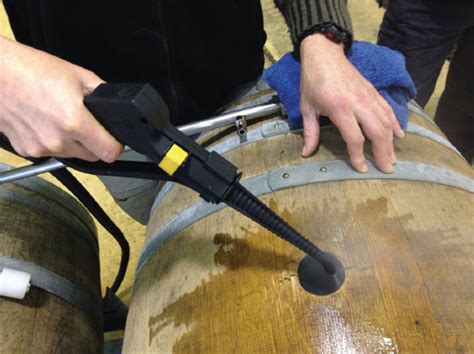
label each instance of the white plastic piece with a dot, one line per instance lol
(14, 283)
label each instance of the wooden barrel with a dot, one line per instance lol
(48, 234)
(211, 281)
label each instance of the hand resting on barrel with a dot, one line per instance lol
(41, 106)
(332, 86)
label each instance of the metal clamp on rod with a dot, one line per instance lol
(241, 125)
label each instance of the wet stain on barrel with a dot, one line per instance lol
(267, 268)
(258, 258)
(384, 306)
(246, 262)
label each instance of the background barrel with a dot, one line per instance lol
(45, 232)
(211, 281)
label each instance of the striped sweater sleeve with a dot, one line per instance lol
(303, 14)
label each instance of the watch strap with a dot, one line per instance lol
(331, 31)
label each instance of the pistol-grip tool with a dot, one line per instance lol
(137, 116)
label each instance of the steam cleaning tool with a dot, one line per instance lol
(238, 118)
(137, 116)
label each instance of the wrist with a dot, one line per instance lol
(322, 34)
(319, 40)
(318, 46)
(6, 61)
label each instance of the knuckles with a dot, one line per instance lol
(72, 126)
(44, 146)
(386, 124)
(110, 154)
(70, 123)
(377, 135)
(357, 139)
(56, 146)
(35, 150)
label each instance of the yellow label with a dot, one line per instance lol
(173, 159)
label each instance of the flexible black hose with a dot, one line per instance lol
(239, 198)
(76, 188)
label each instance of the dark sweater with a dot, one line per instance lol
(303, 14)
(195, 53)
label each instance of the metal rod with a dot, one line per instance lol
(227, 119)
(30, 170)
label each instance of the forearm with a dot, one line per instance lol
(303, 14)
(8, 57)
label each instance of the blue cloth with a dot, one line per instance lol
(383, 67)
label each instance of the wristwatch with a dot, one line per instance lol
(331, 31)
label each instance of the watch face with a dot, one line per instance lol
(331, 31)
(330, 35)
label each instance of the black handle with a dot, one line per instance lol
(132, 113)
(137, 116)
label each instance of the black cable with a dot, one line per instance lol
(239, 198)
(76, 188)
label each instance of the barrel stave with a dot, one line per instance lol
(223, 283)
(44, 322)
(45, 228)
(388, 300)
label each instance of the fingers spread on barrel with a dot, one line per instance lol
(377, 127)
(350, 131)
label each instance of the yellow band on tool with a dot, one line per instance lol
(173, 159)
